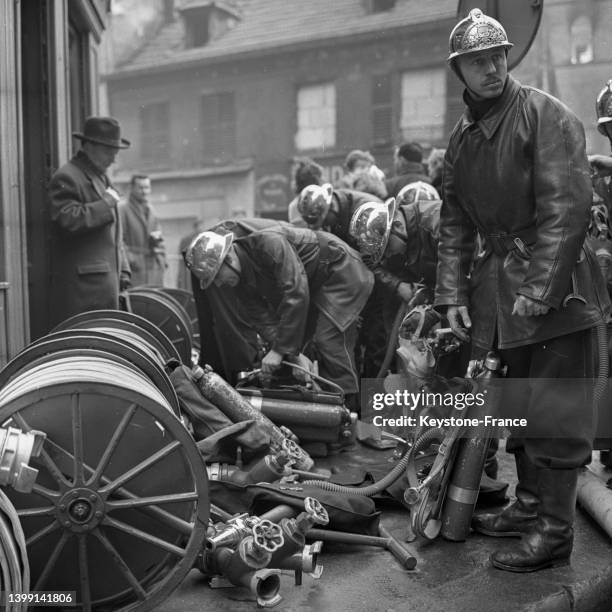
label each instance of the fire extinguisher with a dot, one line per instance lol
(462, 491)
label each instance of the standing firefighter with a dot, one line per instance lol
(294, 286)
(516, 173)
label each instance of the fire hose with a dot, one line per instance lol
(16, 449)
(379, 486)
(15, 576)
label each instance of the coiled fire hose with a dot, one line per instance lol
(16, 449)
(602, 371)
(15, 576)
(397, 471)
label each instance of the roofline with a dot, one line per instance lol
(253, 52)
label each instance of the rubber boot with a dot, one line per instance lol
(549, 543)
(521, 514)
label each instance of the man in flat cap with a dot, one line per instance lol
(88, 262)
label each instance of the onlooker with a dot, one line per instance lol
(88, 261)
(305, 172)
(435, 165)
(142, 235)
(356, 162)
(371, 181)
(408, 162)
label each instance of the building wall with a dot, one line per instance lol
(548, 63)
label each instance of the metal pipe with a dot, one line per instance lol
(596, 499)
(387, 541)
(308, 420)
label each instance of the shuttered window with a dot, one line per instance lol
(423, 105)
(218, 127)
(382, 110)
(316, 117)
(155, 134)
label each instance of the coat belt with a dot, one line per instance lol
(502, 244)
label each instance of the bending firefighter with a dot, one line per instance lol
(295, 287)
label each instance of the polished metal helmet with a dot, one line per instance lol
(314, 202)
(416, 192)
(370, 227)
(603, 107)
(205, 255)
(476, 32)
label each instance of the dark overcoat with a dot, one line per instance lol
(87, 256)
(147, 259)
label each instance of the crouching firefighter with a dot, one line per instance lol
(516, 173)
(295, 286)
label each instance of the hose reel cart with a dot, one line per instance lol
(119, 510)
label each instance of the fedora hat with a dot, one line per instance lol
(104, 131)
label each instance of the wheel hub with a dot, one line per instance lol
(80, 510)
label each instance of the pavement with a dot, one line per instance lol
(449, 576)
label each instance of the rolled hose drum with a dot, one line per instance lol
(117, 459)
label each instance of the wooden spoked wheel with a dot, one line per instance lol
(120, 507)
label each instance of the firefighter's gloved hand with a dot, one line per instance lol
(303, 362)
(271, 361)
(459, 321)
(526, 307)
(405, 291)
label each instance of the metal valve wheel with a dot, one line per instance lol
(119, 510)
(267, 535)
(316, 510)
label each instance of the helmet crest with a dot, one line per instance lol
(476, 32)
(370, 227)
(205, 255)
(314, 202)
(416, 192)
(603, 107)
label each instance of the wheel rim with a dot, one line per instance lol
(127, 321)
(167, 314)
(92, 339)
(187, 301)
(119, 511)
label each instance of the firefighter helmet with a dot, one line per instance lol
(477, 32)
(603, 106)
(314, 202)
(371, 226)
(205, 255)
(417, 191)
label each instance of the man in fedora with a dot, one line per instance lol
(88, 262)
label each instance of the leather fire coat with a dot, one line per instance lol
(519, 177)
(286, 270)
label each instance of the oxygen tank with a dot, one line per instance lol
(462, 491)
